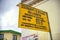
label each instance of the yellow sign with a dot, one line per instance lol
(32, 18)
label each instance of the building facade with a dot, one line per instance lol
(9, 35)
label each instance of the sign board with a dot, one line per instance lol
(32, 18)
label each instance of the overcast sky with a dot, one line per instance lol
(9, 14)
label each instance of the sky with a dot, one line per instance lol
(9, 15)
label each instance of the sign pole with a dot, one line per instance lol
(50, 35)
(49, 29)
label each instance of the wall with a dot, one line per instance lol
(18, 37)
(8, 36)
(52, 7)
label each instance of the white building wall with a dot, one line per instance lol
(53, 9)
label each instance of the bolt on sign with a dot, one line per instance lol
(32, 18)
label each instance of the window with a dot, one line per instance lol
(14, 37)
(1, 36)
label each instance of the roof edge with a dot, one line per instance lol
(11, 31)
